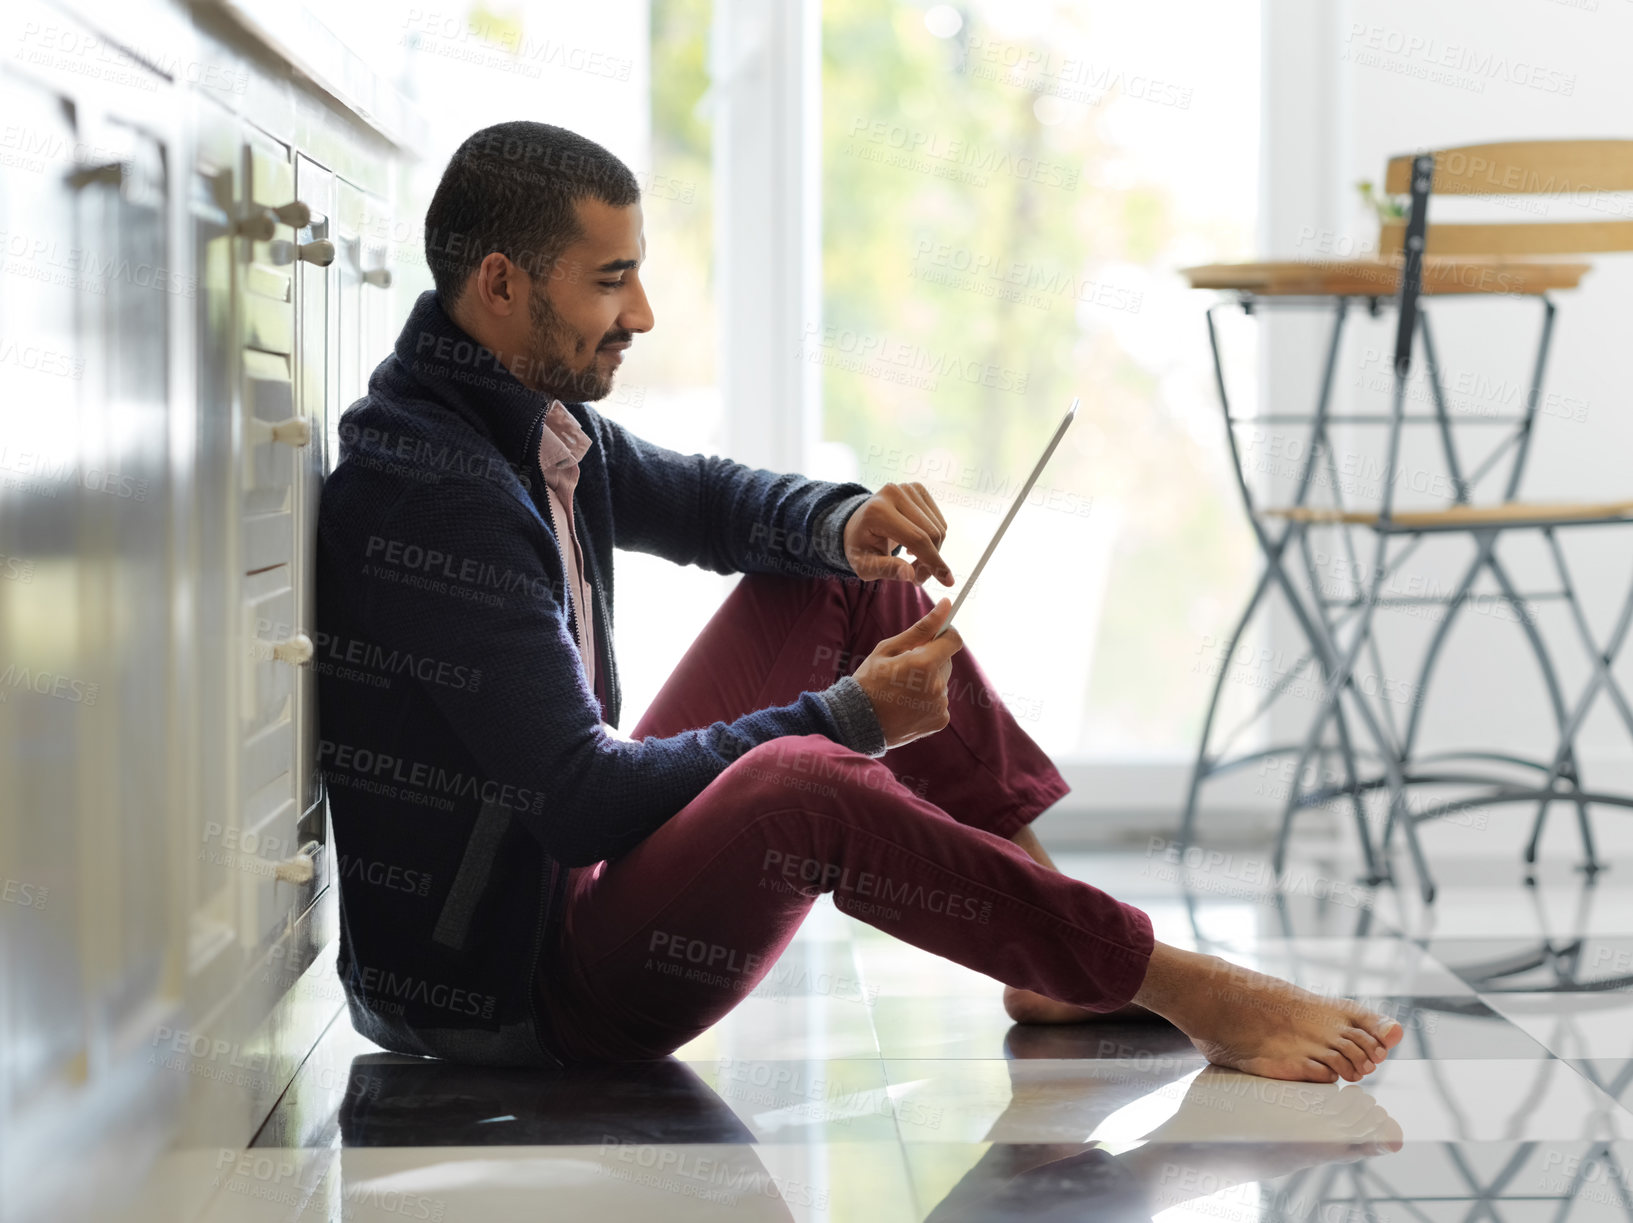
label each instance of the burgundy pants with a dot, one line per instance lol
(658, 945)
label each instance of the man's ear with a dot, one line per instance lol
(497, 284)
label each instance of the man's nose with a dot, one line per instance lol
(637, 316)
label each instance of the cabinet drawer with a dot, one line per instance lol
(268, 620)
(269, 309)
(269, 457)
(268, 755)
(266, 292)
(271, 817)
(348, 333)
(271, 177)
(268, 539)
(273, 432)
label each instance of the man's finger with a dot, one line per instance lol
(919, 632)
(914, 536)
(941, 649)
(923, 512)
(928, 503)
(878, 567)
(909, 503)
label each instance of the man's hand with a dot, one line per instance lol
(897, 514)
(906, 677)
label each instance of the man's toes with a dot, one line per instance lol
(1370, 1044)
(1356, 1056)
(1319, 1072)
(1339, 1065)
(1386, 1030)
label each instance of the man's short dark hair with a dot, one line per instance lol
(512, 188)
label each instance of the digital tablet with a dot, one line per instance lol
(1020, 499)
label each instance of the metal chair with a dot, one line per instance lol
(1439, 260)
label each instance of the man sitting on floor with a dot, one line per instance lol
(550, 891)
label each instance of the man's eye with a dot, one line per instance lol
(612, 284)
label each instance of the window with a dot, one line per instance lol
(1008, 190)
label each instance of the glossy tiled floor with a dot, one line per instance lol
(866, 1080)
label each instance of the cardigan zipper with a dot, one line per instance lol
(571, 598)
(604, 634)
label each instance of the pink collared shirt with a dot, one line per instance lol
(561, 446)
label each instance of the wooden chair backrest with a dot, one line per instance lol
(1573, 170)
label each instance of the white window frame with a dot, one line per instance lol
(766, 85)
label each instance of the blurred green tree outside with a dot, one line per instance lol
(1182, 538)
(897, 227)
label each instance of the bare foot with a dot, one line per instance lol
(1028, 1006)
(1262, 1025)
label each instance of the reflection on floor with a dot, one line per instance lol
(867, 1080)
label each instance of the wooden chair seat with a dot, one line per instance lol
(1509, 514)
(1375, 277)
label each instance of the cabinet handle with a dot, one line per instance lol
(295, 214)
(108, 174)
(261, 224)
(297, 651)
(296, 431)
(257, 224)
(321, 252)
(300, 868)
(380, 278)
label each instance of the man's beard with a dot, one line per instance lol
(548, 346)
